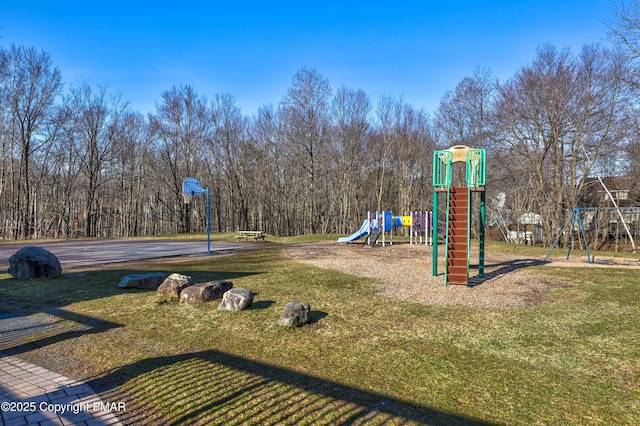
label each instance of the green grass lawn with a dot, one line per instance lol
(365, 359)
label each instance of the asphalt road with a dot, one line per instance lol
(87, 252)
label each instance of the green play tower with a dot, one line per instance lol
(457, 239)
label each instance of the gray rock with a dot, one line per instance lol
(236, 299)
(173, 285)
(149, 280)
(204, 292)
(295, 314)
(34, 262)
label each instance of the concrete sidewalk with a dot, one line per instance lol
(32, 395)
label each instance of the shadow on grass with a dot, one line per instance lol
(262, 304)
(503, 268)
(213, 387)
(23, 332)
(315, 316)
(84, 285)
(219, 275)
(32, 313)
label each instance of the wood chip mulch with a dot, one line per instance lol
(404, 272)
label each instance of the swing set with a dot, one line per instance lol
(576, 220)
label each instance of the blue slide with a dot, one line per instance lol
(364, 230)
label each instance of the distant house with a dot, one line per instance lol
(523, 229)
(624, 189)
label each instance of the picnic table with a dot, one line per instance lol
(255, 235)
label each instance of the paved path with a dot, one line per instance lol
(87, 252)
(32, 395)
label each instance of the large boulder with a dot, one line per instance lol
(173, 285)
(150, 280)
(295, 314)
(34, 262)
(204, 292)
(236, 299)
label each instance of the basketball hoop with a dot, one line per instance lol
(191, 187)
(186, 197)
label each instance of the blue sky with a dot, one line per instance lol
(414, 49)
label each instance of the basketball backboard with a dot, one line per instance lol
(192, 186)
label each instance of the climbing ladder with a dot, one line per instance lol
(458, 237)
(458, 221)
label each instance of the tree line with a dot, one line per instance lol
(77, 161)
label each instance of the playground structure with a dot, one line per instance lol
(381, 224)
(457, 239)
(459, 201)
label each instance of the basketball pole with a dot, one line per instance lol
(208, 221)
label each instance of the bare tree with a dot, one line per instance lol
(632, 155)
(412, 159)
(230, 139)
(31, 85)
(130, 163)
(305, 109)
(388, 113)
(7, 146)
(180, 129)
(553, 110)
(66, 174)
(350, 112)
(465, 114)
(273, 173)
(624, 32)
(94, 124)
